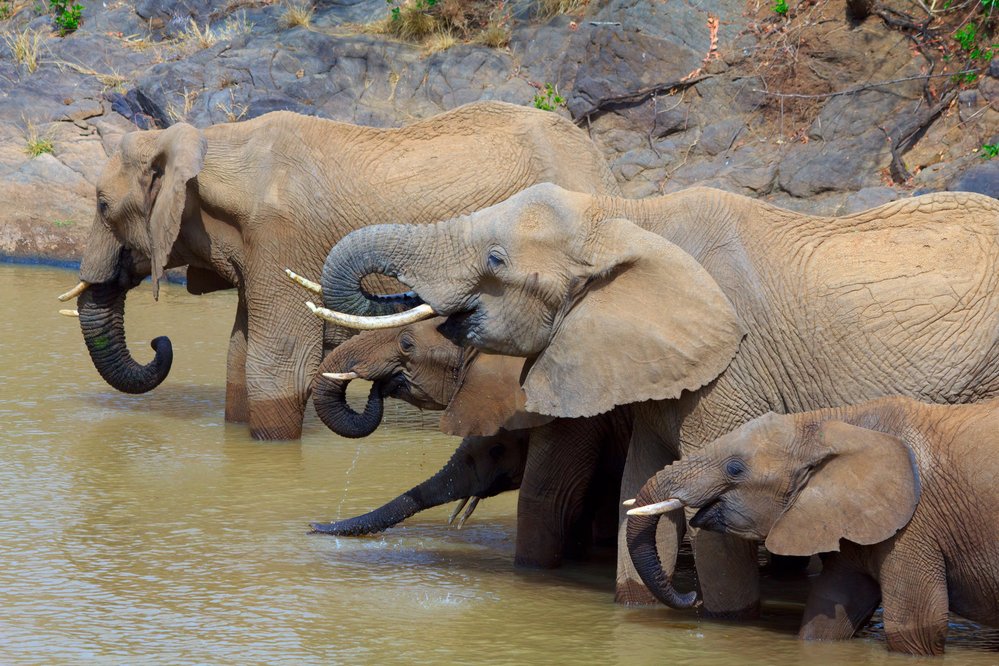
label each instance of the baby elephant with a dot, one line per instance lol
(907, 492)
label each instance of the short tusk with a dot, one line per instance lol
(457, 510)
(75, 291)
(69, 313)
(342, 376)
(362, 323)
(468, 512)
(657, 508)
(629, 502)
(305, 282)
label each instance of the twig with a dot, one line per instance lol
(907, 135)
(636, 97)
(866, 86)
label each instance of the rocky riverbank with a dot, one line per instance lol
(812, 107)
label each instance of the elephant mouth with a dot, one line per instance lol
(462, 327)
(711, 517)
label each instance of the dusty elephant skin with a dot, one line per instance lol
(709, 309)
(237, 203)
(567, 470)
(904, 491)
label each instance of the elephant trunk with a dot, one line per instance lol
(358, 255)
(102, 319)
(453, 481)
(330, 399)
(641, 537)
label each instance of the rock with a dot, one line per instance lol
(869, 197)
(982, 178)
(721, 136)
(846, 164)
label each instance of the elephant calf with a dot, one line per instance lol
(905, 491)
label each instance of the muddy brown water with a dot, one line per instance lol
(144, 529)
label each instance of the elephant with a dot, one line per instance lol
(901, 494)
(232, 200)
(568, 470)
(703, 309)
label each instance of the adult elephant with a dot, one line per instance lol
(233, 202)
(708, 309)
(568, 470)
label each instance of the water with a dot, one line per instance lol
(144, 529)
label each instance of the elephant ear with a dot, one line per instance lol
(650, 323)
(179, 154)
(863, 487)
(489, 398)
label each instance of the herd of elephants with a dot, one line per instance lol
(699, 364)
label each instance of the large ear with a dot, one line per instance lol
(489, 398)
(651, 324)
(864, 488)
(179, 155)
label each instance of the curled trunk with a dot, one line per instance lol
(457, 480)
(330, 399)
(641, 537)
(102, 319)
(358, 255)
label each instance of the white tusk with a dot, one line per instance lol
(362, 323)
(75, 291)
(468, 512)
(305, 282)
(69, 313)
(657, 508)
(630, 502)
(457, 510)
(343, 376)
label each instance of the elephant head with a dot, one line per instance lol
(800, 484)
(478, 393)
(607, 312)
(141, 199)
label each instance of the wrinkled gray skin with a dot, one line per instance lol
(709, 309)
(568, 470)
(238, 203)
(905, 491)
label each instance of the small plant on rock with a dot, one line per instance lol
(780, 7)
(24, 47)
(297, 14)
(989, 150)
(6, 11)
(548, 98)
(36, 144)
(66, 15)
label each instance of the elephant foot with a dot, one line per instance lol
(276, 419)
(633, 593)
(751, 612)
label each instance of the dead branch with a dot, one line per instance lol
(861, 88)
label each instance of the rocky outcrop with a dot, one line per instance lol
(674, 94)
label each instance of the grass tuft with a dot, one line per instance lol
(297, 15)
(36, 144)
(550, 8)
(25, 45)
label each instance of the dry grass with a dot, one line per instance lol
(297, 15)
(413, 23)
(549, 8)
(35, 143)
(25, 45)
(495, 35)
(196, 38)
(112, 80)
(180, 113)
(233, 111)
(439, 41)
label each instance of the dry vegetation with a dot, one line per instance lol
(440, 24)
(297, 15)
(35, 142)
(25, 46)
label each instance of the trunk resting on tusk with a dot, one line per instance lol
(305, 282)
(657, 508)
(341, 376)
(75, 291)
(361, 323)
(69, 313)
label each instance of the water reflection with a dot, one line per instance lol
(141, 528)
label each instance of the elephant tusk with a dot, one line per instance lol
(457, 510)
(69, 313)
(629, 502)
(362, 323)
(305, 282)
(341, 376)
(75, 291)
(468, 512)
(657, 508)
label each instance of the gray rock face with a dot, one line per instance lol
(131, 67)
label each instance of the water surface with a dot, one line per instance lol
(143, 528)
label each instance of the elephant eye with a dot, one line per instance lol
(496, 258)
(735, 468)
(102, 207)
(406, 344)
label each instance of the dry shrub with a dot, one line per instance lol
(296, 14)
(549, 8)
(25, 45)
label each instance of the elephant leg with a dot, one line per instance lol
(841, 601)
(237, 408)
(284, 343)
(729, 575)
(561, 462)
(647, 454)
(914, 596)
